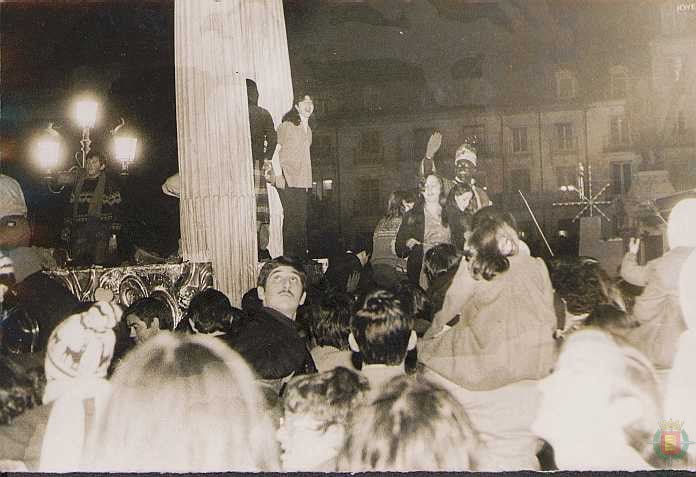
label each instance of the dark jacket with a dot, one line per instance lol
(270, 343)
(412, 227)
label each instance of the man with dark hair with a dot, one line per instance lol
(210, 312)
(146, 317)
(93, 218)
(269, 340)
(383, 334)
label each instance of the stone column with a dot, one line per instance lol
(214, 54)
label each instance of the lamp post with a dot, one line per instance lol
(49, 151)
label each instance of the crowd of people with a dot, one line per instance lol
(441, 345)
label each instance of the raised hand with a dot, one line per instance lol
(434, 144)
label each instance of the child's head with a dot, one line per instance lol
(317, 410)
(491, 242)
(381, 331)
(412, 425)
(600, 387)
(329, 320)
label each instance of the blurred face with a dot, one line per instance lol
(305, 107)
(407, 205)
(431, 189)
(283, 291)
(139, 330)
(464, 170)
(304, 445)
(94, 166)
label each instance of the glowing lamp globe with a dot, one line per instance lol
(47, 152)
(86, 113)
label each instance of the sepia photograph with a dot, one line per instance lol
(347, 235)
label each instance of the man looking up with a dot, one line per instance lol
(269, 340)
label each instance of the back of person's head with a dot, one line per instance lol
(410, 196)
(395, 207)
(329, 320)
(599, 384)
(681, 227)
(412, 425)
(330, 397)
(210, 311)
(381, 330)
(494, 213)
(214, 418)
(317, 410)
(149, 308)
(491, 242)
(414, 300)
(252, 91)
(581, 282)
(612, 319)
(340, 270)
(20, 389)
(282, 261)
(439, 260)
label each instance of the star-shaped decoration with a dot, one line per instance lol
(587, 200)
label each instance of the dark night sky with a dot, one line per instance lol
(124, 50)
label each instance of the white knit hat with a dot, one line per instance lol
(11, 197)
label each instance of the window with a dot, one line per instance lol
(618, 131)
(371, 142)
(565, 84)
(619, 81)
(372, 98)
(620, 177)
(519, 140)
(566, 176)
(519, 180)
(368, 197)
(327, 188)
(565, 140)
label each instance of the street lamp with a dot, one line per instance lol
(49, 151)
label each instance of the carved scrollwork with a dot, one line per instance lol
(175, 284)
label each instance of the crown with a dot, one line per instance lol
(671, 425)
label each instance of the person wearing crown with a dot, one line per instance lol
(465, 167)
